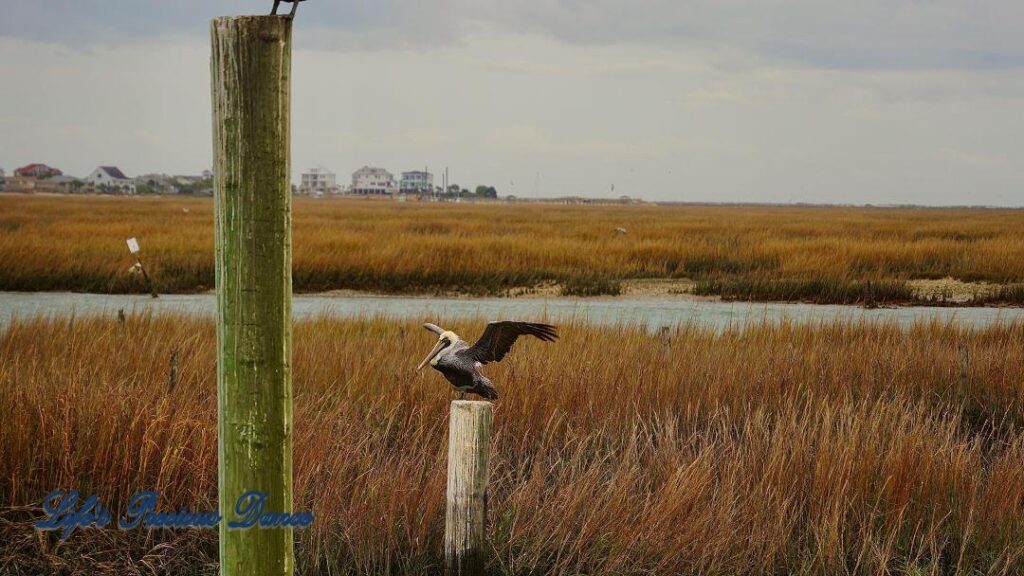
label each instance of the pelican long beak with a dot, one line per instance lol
(437, 348)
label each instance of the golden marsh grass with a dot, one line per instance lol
(839, 448)
(799, 253)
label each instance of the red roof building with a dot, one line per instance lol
(37, 171)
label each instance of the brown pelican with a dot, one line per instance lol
(460, 363)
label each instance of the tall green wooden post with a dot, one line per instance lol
(251, 69)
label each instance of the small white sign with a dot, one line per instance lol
(133, 245)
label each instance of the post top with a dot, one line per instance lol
(251, 17)
(471, 405)
(269, 28)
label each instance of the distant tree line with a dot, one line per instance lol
(455, 191)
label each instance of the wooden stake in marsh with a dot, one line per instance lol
(133, 247)
(469, 450)
(251, 68)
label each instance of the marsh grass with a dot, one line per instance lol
(77, 243)
(865, 293)
(835, 448)
(591, 287)
(1011, 294)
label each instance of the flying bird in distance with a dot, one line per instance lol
(460, 363)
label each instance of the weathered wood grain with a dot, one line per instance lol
(469, 448)
(250, 69)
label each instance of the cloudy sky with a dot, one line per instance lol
(867, 101)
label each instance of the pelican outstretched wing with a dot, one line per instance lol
(499, 337)
(434, 328)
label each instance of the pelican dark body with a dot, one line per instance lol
(460, 363)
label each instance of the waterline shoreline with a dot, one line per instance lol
(652, 312)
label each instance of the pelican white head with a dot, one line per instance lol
(445, 339)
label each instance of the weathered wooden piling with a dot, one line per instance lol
(250, 69)
(469, 449)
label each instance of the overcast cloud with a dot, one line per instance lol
(724, 100)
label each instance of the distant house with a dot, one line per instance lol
(318, 181)
(372, 181)
(67, 184)
(20, 184)
(416, 182)
(155, 183)
(37, 171)
(201, 185)
(111, 179)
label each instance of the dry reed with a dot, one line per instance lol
(77, 243)
(838, 448)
